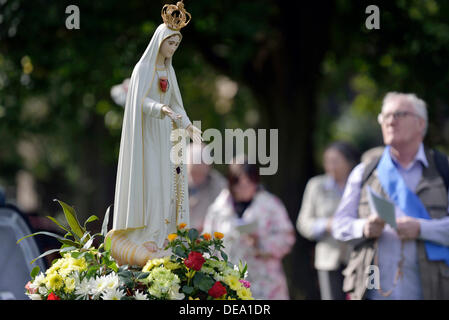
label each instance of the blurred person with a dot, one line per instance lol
(411, 261)
(119, 92)
(321, 198)
(205, 183)
(257, 230)
(15, 267)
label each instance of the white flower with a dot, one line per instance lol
(174, 293)
(111, 281)
(83, 290)
(43, 290)
(206, 255)
(34, 296)
(161, 281)
(140, 295)
(218, 277)
(232, 272)
(39, 280)
(114, 294)
(236, 268)
(98, 286)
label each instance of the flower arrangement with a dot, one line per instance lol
(198, 268)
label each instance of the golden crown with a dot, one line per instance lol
(175, 16)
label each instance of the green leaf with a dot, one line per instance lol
(71, 218)
(107, 244)
(193, 234)
(58, 223)
(203, 281)
(187, 289)
(143, 275)
(180, 252)
(75, 254)
(85, 235)
(104, 227)
(88, 244)
(224, 255)
(90, 219)
(54, 235)
(126, 274)
(91, 271)
(35, 272)
(67, 249)
(112, 265)
(69, 242)
(45, 254)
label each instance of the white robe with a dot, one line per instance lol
(145, 196)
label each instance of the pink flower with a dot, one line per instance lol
(30, 289)
(245, 283)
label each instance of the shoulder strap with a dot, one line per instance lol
(442, 165)
(369, 169)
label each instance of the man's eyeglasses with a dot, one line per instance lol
(382, 117)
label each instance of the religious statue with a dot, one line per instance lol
(151, 190)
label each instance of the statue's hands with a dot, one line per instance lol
(170, 113)
(194, 133)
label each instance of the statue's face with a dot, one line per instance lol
(169, 46)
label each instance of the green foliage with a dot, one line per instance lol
(77, 240)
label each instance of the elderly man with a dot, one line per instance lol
(412, 260)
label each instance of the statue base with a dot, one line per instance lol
(125, 251)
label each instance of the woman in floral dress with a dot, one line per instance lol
(257, 230)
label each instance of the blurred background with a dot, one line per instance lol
(310, 69)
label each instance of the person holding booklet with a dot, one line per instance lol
(410, 256)
(257, 229)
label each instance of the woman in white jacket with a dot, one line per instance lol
(320, 200)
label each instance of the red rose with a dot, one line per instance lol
(217, 290)
(52, 296)
(195, 261)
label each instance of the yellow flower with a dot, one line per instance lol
(233, 282)
(244, 293)
(153, 263)
(218, 235)
(207, 236)
(79, 264)
(190, 298)
(171, 265)
(182, 225)
(65, 268)
(54, 281)
(69, 285)
(172, 236)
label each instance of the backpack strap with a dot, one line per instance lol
(442, 165)
(369, 169)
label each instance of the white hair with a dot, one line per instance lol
(418, 104)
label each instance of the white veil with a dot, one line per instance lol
(129, 208)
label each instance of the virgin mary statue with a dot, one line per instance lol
(151, 190)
